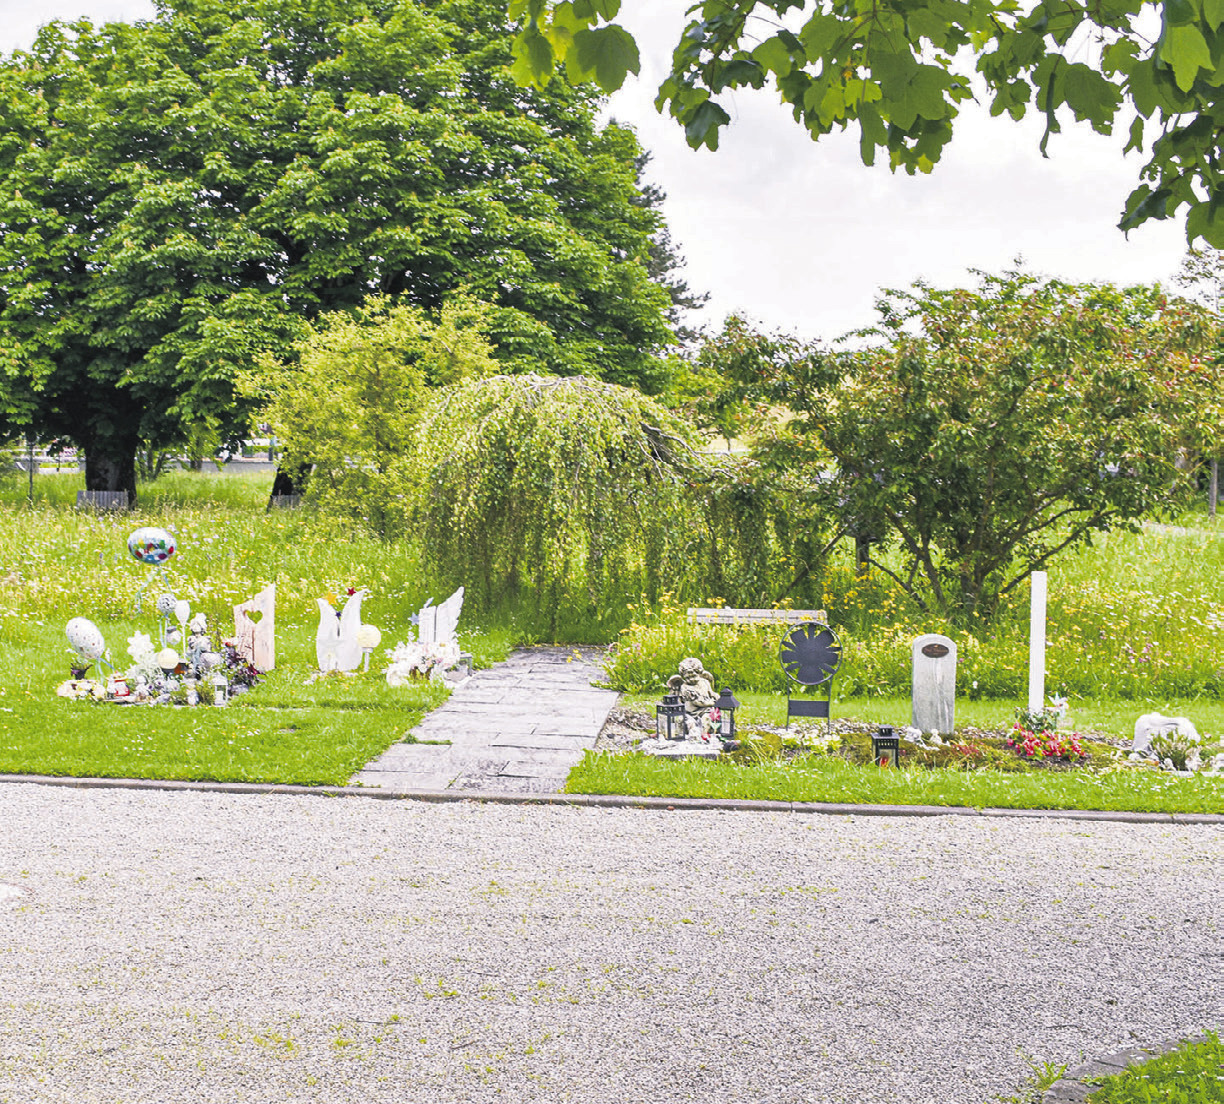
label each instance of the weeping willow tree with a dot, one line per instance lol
(570, 496)
(560, 490)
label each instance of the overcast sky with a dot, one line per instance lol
(800, 236)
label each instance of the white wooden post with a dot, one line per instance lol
(1037, 642)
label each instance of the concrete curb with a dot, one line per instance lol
(1074, 1086)
(611, 801)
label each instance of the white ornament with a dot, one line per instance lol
(85, 638)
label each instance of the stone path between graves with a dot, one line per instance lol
(516, 728)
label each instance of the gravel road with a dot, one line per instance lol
(203, 947)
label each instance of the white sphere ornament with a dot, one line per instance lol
(167, 659)
(85, 638)
(369, 636)
(166, 604)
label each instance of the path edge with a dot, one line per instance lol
(606, 801)
(1073, 1087)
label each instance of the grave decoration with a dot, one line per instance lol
(339, 640)
(436, 651)
(692, 720)
(168, 670)
(694, 686)
(153, 546)
(886, 747)
(255, 629)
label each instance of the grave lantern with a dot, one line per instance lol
(886, 747)
(669, 718)
(220, 688)
(726, 705)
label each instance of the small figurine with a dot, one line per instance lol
(694, 686)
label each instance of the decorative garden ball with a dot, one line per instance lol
(151, 545)
(85, 638)
(166, 604)
(368, 636)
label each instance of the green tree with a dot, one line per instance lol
(556, 491)
(896, 71)
(346, 405)
(1201, 273)
(992, 428)
(178, 196)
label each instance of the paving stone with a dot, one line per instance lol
(541, 740)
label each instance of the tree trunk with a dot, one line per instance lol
(1213, 489)
(111, 467)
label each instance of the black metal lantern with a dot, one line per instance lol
(669, 718)
(726, 705)
(886, 747)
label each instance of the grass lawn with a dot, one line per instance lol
(828, 778)
(57, 563)
(281, 731)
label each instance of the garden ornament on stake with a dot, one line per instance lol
(153, 546)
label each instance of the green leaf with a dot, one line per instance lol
(533, 58)
(610, 53)
(1136, 136)
(774, 55)
(925, 23)
(1185, 48)
(1206, 220)
(701, 127)
(1090, 96)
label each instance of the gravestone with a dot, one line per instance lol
(440, 624)
(255, 629)
(934, 685)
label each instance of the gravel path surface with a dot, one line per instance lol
(195, 947)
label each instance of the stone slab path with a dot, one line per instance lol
(516, 728)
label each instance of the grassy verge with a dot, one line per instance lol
(826, 778)
(1191, 1074)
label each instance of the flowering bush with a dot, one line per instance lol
(413, 658)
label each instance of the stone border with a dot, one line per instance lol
(611, 801)
(1072, 1087)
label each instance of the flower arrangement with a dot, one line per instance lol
(413, 658)
(1046, 744)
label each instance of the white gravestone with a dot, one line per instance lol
(934, 686)
(255, 629)
(440, 624)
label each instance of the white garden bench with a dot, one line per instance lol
(726, 616)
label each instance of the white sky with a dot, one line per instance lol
(800, 236)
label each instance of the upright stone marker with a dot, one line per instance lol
(934, 689)
(255, 629)
(1037, 643)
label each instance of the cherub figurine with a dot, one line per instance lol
(694, 686)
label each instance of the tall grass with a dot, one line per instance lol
(1136, 616)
